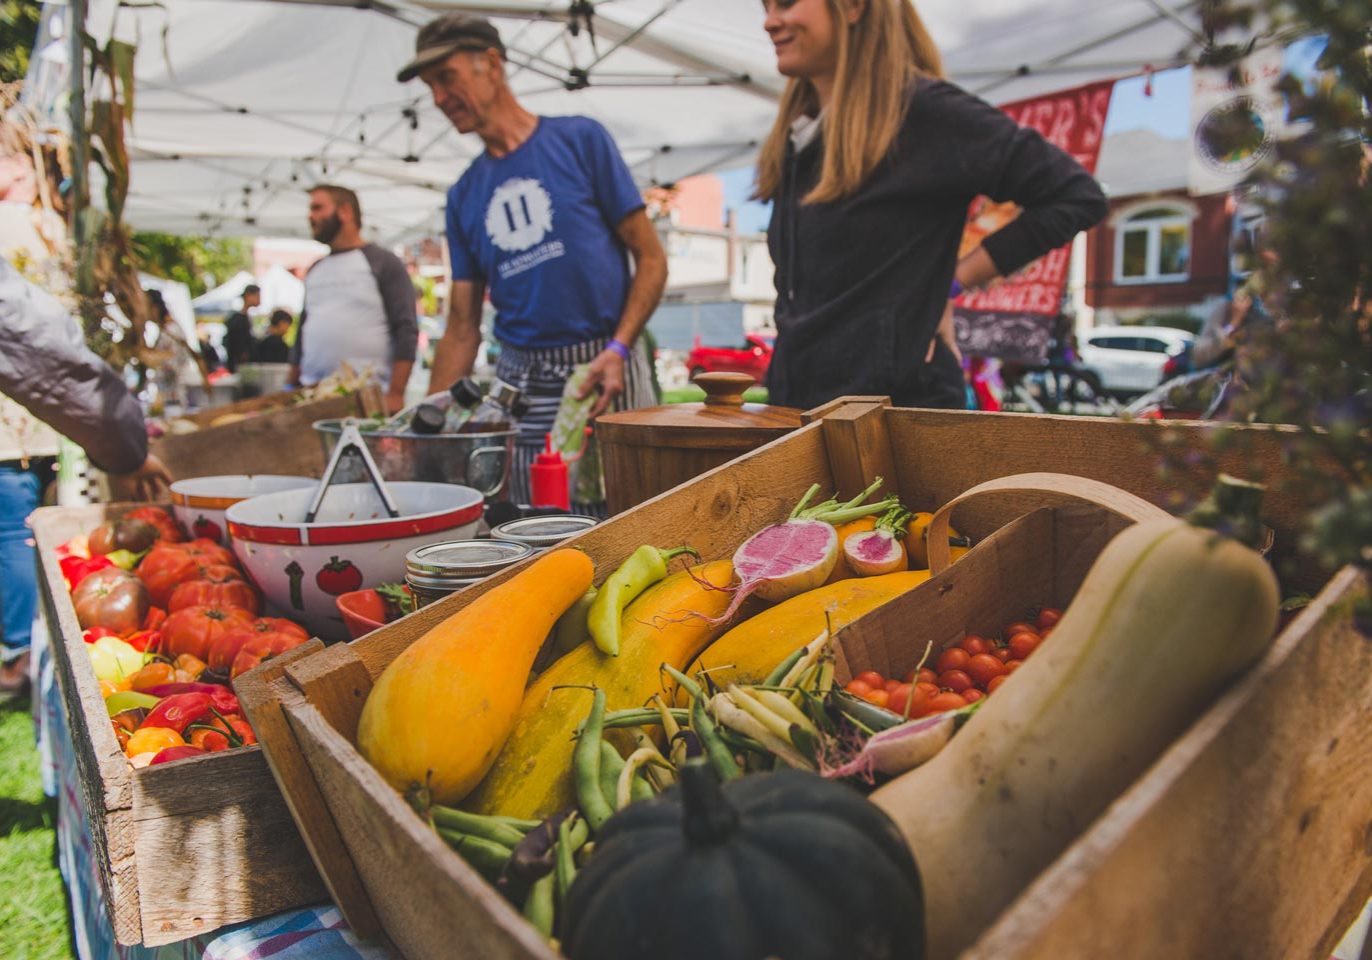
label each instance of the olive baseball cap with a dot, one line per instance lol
(438, 39)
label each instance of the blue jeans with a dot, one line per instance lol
(19, 490)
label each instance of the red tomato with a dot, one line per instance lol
(930, 690)
(208, 593)
(1048, 618)
(973, 695)
(955, 680)
(873, 679)
(857, 688)
(983, 668)
(1044, 634)
(922, 675)
(974, 645)
(893, 685)
(954, 658)
(1023, 644)
(900, 699)
(167, 527)
(1012, 666)
(269, 645)
(1018, 626)
(994, 685)
(878, 698)
(945, 701)
(1001, 653)
(194, 630)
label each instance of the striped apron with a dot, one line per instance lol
(542, 374)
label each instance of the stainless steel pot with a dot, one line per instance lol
(479, 460)
(260, 378)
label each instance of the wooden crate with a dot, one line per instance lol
(181, 849)
(276, 437)
(1299, 728)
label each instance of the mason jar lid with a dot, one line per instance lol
(541, 533)
(463, 559)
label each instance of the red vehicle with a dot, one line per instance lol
(752, 358)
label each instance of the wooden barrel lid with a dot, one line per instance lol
(722, 422)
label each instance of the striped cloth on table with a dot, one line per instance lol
(541, 375)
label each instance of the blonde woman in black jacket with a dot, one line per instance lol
(871, 166)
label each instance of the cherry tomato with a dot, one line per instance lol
(857, 688)
(900, 699)
(954, 658)
(1012, 666)
(974, 645)
(930, 690)
(873, 679)
(1048, 618)
(878, 698)
(983, 668)
(1002, 653)
(955, 680)
(946, 701)
(893, 685)
(1018, 626)
(995, 683)
(973, 695)
(1023, 644)
(1044, 634)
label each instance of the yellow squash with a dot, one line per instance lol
(1166, 617)
(532, 777)
(917, 541)
(442, 710)
(749, 652)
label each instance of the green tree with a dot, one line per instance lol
(190, 259)
(18, 30)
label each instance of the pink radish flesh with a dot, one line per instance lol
(873, 553)
(783, 560)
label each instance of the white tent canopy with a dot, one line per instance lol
(243, 103)
(279, 290)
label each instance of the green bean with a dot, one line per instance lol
(564, 867)
(538, 906)
(687, 684)
(586, 766)
(486, 857)
(784, 667)
(611, 763)
(475, 825)
(719, 755)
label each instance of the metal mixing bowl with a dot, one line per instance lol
(479, 460)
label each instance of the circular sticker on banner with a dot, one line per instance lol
(520, 214)
(1233, 138)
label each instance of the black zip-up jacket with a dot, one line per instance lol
(862, 282)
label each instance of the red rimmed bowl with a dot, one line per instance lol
(199, 503)
(362, 611)
(303, 568)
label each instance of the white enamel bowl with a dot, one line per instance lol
(200, 503)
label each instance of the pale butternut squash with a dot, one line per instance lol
(748, 652)
(669, 623)
(1168, 615)
(441, 711)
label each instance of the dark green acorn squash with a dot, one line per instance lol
(785, 865)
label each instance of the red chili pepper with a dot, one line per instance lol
(96, 633)
(76, 569)
(155, 618)
(225, 702)
(168, 754)
(178, 711)
(143, 640)
(241, 727)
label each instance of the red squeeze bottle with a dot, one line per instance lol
(548, 478)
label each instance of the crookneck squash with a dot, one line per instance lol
(783, 864)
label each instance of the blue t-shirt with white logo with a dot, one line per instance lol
(537, 226)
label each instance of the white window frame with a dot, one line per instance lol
(1184, 215)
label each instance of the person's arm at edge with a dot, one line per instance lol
(645, 293)
(455, 352)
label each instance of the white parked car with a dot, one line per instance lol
(1131, 359)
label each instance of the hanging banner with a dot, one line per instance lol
(1236, 117)
(1013, 319)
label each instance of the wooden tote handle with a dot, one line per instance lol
(1055, 487)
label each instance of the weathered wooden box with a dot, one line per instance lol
(275, 437)
(1248, 838)
(185, 848)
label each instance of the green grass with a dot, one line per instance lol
(33, 905)
(694, 394)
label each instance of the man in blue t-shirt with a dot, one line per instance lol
(546, 219)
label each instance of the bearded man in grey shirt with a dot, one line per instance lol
(359, 302)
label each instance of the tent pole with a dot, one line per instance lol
(80, 153)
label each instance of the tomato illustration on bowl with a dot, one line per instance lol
(338, 577)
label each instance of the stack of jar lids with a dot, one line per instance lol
(543, 533)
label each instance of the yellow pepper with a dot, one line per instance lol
(151, 740)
